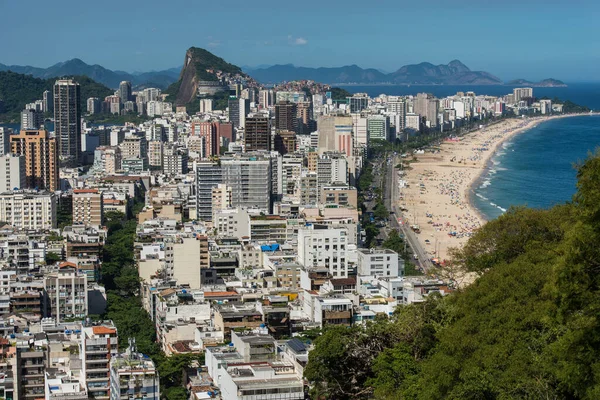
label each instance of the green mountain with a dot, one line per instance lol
(527, 328)
(76, 67)
(199, 65)
(16, 90)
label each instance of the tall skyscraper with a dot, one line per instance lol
(286, 116)
(208, 176)
(238, 110)
(93, 105)
(48, 101)
(32, 119)
(234, 111)
(249, 177)
(125, 91)
(378, 127)
(67, 120)
(209, 133)
(335, 134)
(257, 135)
(358, 102)
(5, 140)
(41, 158)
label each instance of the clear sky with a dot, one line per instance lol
(529, 39)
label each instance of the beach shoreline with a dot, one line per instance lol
(441, 184)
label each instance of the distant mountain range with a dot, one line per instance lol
(544, 83)
(98, 73)
(453, 73)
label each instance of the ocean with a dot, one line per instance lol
(534, 168)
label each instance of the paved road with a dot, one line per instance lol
(391, 194)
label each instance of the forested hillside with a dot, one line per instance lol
(16, 90)
(528, 328)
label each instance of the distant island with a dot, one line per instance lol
(544, 83)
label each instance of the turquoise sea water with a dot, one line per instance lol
(536, 168)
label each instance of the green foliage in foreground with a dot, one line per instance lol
(527, 328)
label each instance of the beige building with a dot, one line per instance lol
(155, 153)
(28, 210)
(221, 198)
(41, 158)
(66, 293)
(342, 195)
(107, 159)
(87, 207)
(335, 134)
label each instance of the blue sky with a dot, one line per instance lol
(529, 39)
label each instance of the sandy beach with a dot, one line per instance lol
(436, 197)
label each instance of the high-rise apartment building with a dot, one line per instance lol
(210, 136)
(66, 293)
(208, 176)
(286, 116)
(221, 198)
(125, 91)
(257, 135)
(30, 365)
(41, 158)
(155, 154)
(427, 106)
(206, 105)
(522, 93)
(87, 207)
(175, 160)
(323, 246)
(99, 344)
(12, 172)
(93, 105)
(48, 101)
(358, 102)
(285, 142)
(306, 124)
(378, 127)
(67, 120)
(238, 110)
(133, 376)
(249, 177)
(266, 98)
(5, 140)
(107, 159)
(28, 210)
(32, 119)
(335, 134)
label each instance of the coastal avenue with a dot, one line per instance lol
(390, 199)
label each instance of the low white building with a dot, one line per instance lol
(378, 262)
(320, 246)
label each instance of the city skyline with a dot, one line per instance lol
(510, 40)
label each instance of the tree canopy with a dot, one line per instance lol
(528, 327)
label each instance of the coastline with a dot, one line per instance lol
(488, 159)
(441, 184)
